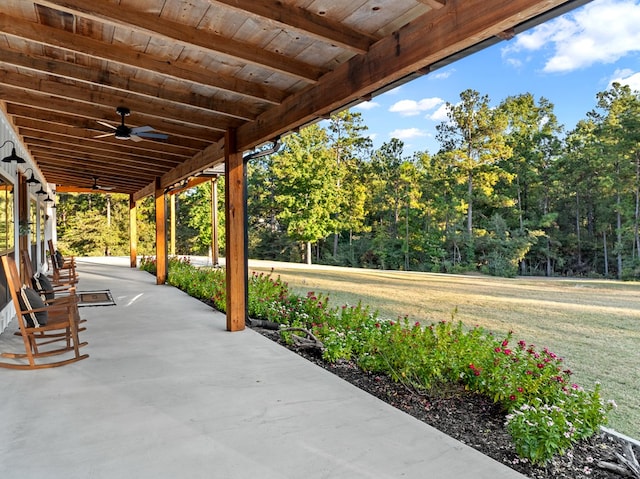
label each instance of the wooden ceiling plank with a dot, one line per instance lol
(46, 160)
(36, 147)
(436, 35)
(105, 51)
(62, 69)
(97, 96)
(48, 123)
(297, 18)
(156, 26)
(70, 144)
(175, 131)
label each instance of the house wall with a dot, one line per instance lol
(39, 233)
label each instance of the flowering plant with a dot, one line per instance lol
(546, 411)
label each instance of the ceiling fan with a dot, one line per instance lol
(123, 132)
(96, 186)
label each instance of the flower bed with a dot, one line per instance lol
(545, 412)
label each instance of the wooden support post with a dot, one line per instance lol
(172, 221)
(161, 234)
(215, 250)
(235, 245)
(133, 233)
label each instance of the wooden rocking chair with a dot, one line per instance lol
(61, 326)
(64, 269)
(60, 293)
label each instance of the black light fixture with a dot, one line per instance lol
(48, 199)
(12, 157)
(41, 191)
(32, 180)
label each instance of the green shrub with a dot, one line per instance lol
(545, 412)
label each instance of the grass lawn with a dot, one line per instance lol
(593, 324)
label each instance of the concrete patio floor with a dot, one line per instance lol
(168, 393)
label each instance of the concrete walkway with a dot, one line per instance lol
(168, 393)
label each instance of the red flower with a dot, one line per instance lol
(529, 373)
(498, 350)
(540, 365)
(520, 390)
(507, 352)
(505, 343)
(377, 325)
(513, 397)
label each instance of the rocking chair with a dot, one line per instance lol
(59, 325)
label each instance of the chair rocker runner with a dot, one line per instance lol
(61, 326)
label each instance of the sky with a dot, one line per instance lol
(567, 60)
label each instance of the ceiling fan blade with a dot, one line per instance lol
(135, 137)
(106, 188)
(141, 129)
(104, 135)
(104, 123)
(160, 136)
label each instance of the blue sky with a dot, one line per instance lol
(567, 60)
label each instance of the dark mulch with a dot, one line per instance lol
(473, 420)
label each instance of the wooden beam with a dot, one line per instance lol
(215, 250)
(436, 4)
(128, 86)
(297, 18)
(235, 234)
(94, 112)
(180, 70)
(172, 223)
(133, 233)
(440, 33)
(161, 234)
(85, 130)
(96, 95)
(157, 26)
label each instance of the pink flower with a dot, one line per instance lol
(507, 352)
(513, 397)
(520, 390)
(529, 373)
(505, 343)
(498, 350)
(540, 365)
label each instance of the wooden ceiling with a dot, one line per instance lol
(192, 69)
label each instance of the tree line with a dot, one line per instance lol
(508, 192)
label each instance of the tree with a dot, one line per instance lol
(349, 148)
(533, 135)
(474, 135)
(306, 188)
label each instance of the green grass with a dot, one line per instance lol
(593, 324)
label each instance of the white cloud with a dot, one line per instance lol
(627, 77)
(440, 114)
(407, 133)
(602, 31)
(368, 105)
(441, 75)
(413, 108)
